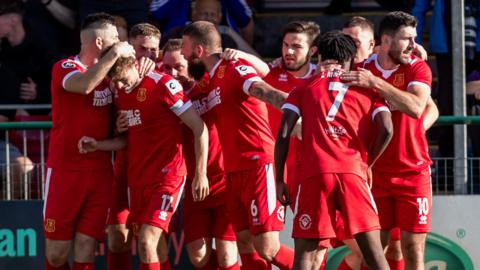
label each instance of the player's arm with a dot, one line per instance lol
(200, 186)
(257, 63)
(289, 119)
(430, 115)
(384, 132)
(88, 144)
(411, 102)
(268, 93)
(85, 82)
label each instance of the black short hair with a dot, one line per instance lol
(12, 6)
(336, 45)
(394, 20)
(97, 21)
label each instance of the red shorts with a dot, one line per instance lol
(395, 234)
(76, 201)
(252, 201)
(322, 195)
(119, 209)
(404, 200)
(155, 204)
(206, 220)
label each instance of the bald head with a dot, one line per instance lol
(207, 10)
(205, 34)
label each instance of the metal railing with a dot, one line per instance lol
(29, 184)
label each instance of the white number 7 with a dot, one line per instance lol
(342, 90)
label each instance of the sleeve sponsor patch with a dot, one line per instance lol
(174, 86)
(244, 70)
(68, 65)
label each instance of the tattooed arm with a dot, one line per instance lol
(267, 93)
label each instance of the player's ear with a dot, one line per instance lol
(313, 50)
(99, 43)
(199, 50)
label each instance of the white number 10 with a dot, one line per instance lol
(342, 90)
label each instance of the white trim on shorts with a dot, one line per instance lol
(47, 187)
(271, 190)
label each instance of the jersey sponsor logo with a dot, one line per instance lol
(283, 77)
(221, 72)
(173, 86)
(244, 70)
(335, 132)
(102, 97)
(68, 64)
(305, 221)
(399, 80)
(281, 213)
(50, 225)
(133, 116)
(141, 94)
(214, 98)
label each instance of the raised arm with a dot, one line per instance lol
(85, 82)
(257, 63)
(411, 102)
(268, 93)
(200, 186)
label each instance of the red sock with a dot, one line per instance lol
(212, 263)
(118, 260)
(344, 266)
(324, 262)
(234, 266)
(284, 258)
(49, 267)
(150, 266)
(396, 265)
(83, 266)
(165, 265)
(252, 261)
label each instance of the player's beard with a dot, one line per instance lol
(299, 66)
(196, 68)
(400, 57)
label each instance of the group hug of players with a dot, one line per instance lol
(350, 156)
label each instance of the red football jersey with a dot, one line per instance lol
(337, 122)
(281, 79)
(242, 120)
(76, 115)
(199, 99)
(408, 150)
(154, 146)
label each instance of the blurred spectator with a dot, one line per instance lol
(210, 10)
(473, 89)
(24, 56)
(236, 14)
(132, 11)
(440, 45)
(343, 6)
(56, 20)
(122, 27)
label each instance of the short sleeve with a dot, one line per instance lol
(420, 74)
(65, 69)
(246, 75)
(293, 102)
(174, 96)
(378, 105)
